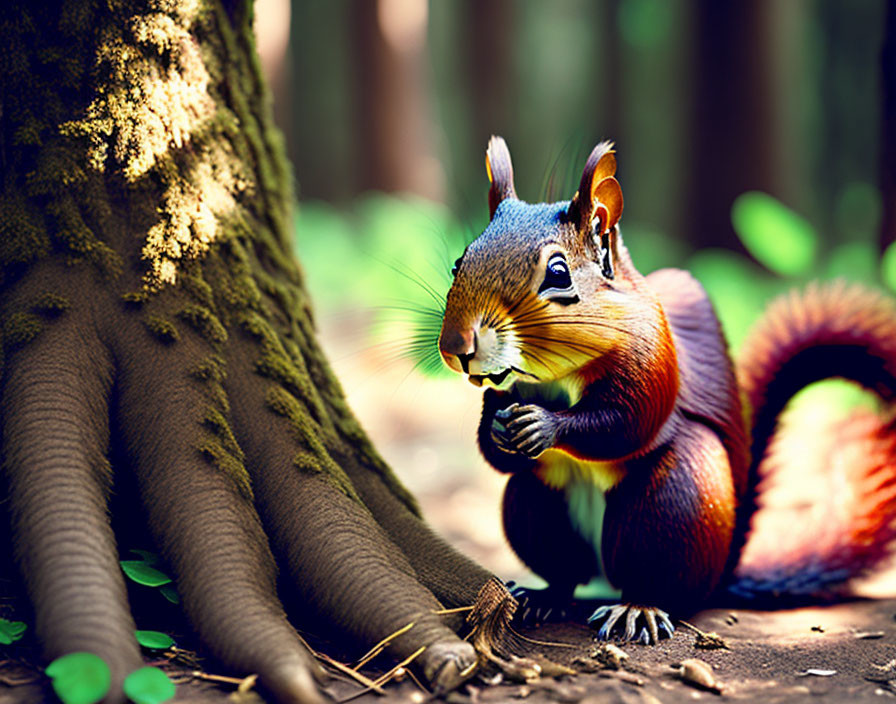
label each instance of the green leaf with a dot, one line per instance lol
(142, 573)
(11, 631)
(154, 640)
(148, 685)
(780, 239)
(79, 678)
(888, 267)
(170, 593)
(150, 558)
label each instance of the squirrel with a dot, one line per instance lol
(636, 451)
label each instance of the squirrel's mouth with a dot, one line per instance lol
(498, 378)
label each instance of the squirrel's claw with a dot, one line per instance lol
(536, 606)
(665, 624)
(612, 613)
(499, 437)
(655, 623)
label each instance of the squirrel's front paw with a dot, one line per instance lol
(525, 429)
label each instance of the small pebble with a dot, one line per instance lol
(698, 674)
(495, 679)
(869, 635)
(817, 673)
(585, 664)
(610, 655)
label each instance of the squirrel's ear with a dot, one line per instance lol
(597, 206)
(500, 174)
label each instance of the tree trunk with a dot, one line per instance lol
(732, 147)
(395, 148)
(487, 65)
(155, 329)
(888, 130)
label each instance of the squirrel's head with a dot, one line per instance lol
(547, 288)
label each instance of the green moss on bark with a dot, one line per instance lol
(135, 299)
(20, 328)
(210, 369)
(161, 329)
(51, 305)
(205, 322)
(313, 456)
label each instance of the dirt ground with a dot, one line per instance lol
(770, 657)
(842, 653)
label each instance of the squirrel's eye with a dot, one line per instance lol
(456, 266)
(557, 285)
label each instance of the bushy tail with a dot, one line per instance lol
(821, 509)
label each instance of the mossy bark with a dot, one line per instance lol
(145, 260)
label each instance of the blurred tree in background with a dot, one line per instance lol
(705, 100)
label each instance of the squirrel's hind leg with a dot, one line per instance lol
(669, 523)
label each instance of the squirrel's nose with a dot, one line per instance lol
(458, 348)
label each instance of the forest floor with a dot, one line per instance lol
(425, 429)
(842, 653)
